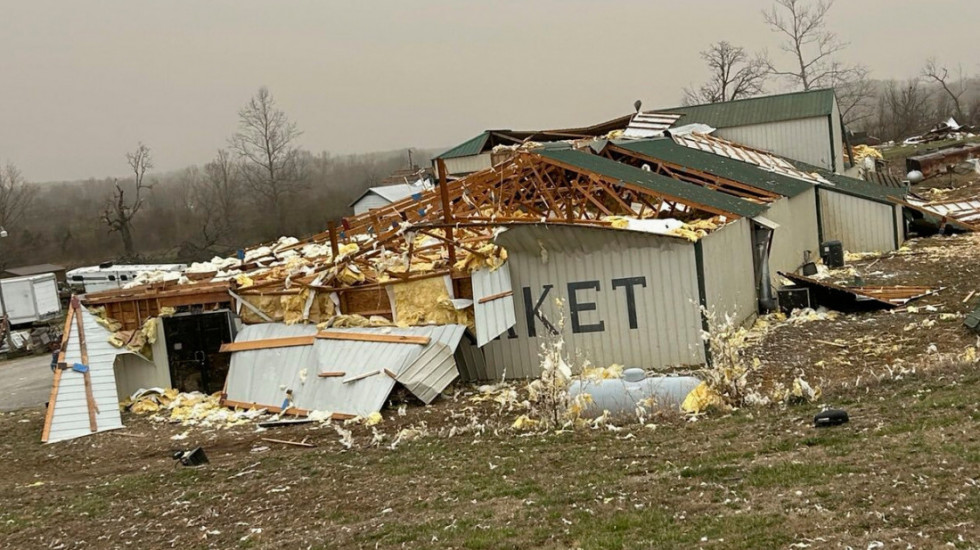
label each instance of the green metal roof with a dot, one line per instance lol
(757, 110)
(690, 193)
(852, 186)
(472, 146)
(743, 172)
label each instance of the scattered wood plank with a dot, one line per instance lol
(497, 296)
(332, 374)
(968, 296)
(832, 343)
(268, 343)
(285, 422)
(285, 442)
(362, 376)
(371, 337)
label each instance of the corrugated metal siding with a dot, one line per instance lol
(471, 362)
(668, 321)
(837, 139)
(797, 232)
(369, 201)
(899, 224)
(263, 376)
(758, 110)
(807, 139)
(465, 165)
(496, 316)
(860, 225)
(729, 274)
(70, 417)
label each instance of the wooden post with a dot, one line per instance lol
(447, 215)
(332, 229)
(87, 375)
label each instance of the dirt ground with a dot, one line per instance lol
(904, 473)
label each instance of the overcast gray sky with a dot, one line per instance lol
(82, 81)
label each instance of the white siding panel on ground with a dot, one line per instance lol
(69, 418)
(465, 165)
(729, 274)
(806, 139)
(859, 224)
(636, 296)
(369, 201)
(261, 377)
(797, 232)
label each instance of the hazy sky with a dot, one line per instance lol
(81, 81)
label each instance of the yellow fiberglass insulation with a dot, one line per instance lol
(323, 308)
(293, 306)
(270, 305)
(426, 301)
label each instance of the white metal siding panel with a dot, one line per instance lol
(837, 139)
(668, 321)
(465, 165)
(262, 377)
(435, 367)
(46, 296)
(899, 225)
(859, 224)
(797, 232)
(806, 139)
(369, 201)
(471, 362)
(729, 275)
(70, 417)
(134, 372)
(493, 318)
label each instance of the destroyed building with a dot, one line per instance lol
(623, 242)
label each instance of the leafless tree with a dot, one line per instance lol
(214, 196)
(265, 144)
(118, 213)
(908, 108)
(734, 75)
(854, 89)
(16, 198)
(939, 74)
(804, 33)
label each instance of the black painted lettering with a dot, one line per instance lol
(575, 307)
(535, 312)
(628, 283)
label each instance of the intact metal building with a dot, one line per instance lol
(803, 126)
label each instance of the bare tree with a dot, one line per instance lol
(16, 198)
(118, 213)
(854, 89)
(214, 197)
(939, 74)
(734, 75)
(802, 24)
(16, 195)
(908, 107)
(265, 144)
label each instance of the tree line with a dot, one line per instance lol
(260, 187)
(809, 58)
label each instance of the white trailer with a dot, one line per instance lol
(97, 278)
(32, 298)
